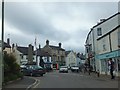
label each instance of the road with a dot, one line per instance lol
(73, 80)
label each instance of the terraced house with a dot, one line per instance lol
(102, 43)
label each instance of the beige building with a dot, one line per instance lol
(57, 53)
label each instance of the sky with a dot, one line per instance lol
(59, 22)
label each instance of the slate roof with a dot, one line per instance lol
(23, 50)
(67, 52)
(57, 48)
(6, 45)
(41, 52)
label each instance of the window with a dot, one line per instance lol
(87, 49)
(26, 57)
(104, 47)
(21, 56)
(99, 31)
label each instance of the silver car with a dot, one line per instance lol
(63, 69)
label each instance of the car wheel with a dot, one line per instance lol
(41, 74)
(31, 74)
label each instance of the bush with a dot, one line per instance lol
(11, 68)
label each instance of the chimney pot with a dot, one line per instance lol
(59, 45)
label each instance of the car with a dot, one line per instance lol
(63, 69)
(75, 69)
(22, 68)
(33, 70)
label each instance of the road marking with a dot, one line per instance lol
(38, 82)
(30, 86)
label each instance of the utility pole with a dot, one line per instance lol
(1, 49)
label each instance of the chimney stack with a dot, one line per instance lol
(30, 54)
(8, 41)
(47, 42)
(59, 45)
(39, 46)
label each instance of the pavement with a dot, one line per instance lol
(26, 83)
(101, 76)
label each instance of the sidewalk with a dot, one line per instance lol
(101, 76)
(24, 83)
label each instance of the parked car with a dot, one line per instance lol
(34, 70)
(75, 69)
(22, 68)
(63, 69)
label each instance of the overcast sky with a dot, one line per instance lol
(65, 22)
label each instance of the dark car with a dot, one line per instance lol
(34, 70)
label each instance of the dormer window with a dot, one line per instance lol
(99, 31)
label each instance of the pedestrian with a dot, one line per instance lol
(111, 63)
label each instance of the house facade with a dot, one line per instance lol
(23, 54)
(71, 59)
(102, 43)
(56, 52)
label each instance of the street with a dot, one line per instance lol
(73, 80)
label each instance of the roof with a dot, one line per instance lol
(6, 45)
(67, 52)
(57, 48)
(41, 52)
(101, 23)
(23, 50)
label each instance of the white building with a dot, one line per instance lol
(70, 58)
(103, 43)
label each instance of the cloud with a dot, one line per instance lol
(65, 22)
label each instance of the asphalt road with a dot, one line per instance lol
(73, 80)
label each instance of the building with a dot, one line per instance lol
(23, 54)
(57, 53)
(71, 59)
(102, 43)
(43, 58)
(6, 46)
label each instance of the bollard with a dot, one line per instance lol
(98, 74)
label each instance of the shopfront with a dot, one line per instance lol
(104, 62)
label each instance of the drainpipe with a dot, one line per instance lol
(94, 48)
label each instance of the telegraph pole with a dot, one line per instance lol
(1, 49)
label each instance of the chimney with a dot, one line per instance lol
(102, 20)
(47, 42)
(30, 54)
(59, 45)
(8, 41)
(39, 46)
(13, 45)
